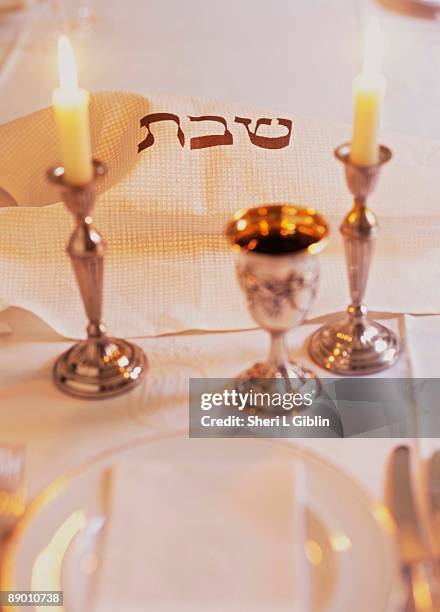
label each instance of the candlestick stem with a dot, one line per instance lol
(99, 366)
(356, 345)
(359, 230)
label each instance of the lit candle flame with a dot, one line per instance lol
(373, 48)
(66, 64)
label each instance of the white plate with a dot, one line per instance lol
(63, 531)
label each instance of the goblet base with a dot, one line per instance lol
(355, 348)
(100, 367)
(288, 377)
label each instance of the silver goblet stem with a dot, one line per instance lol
(278, 350)
(99, 366)
(356, 345)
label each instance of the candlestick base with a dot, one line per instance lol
(101, 367)
(354, 348)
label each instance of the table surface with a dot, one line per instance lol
(296, 56)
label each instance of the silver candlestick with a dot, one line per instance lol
(99, 366)
(356, 345)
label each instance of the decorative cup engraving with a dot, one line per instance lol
(276, 302)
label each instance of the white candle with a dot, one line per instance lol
(71, 107)
(369, 89)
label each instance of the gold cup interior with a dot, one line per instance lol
(249, 227)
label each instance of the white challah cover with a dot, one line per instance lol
(178, 168)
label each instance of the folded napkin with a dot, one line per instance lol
(423, 340)
(178, 168)
(200, 537)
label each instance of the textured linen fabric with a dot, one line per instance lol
(162, 212)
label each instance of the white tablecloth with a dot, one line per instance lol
(61, 432)
(298, 55)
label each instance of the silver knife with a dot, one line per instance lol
(417, 564)
(434, 501)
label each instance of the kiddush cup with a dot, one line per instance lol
(276, 250)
